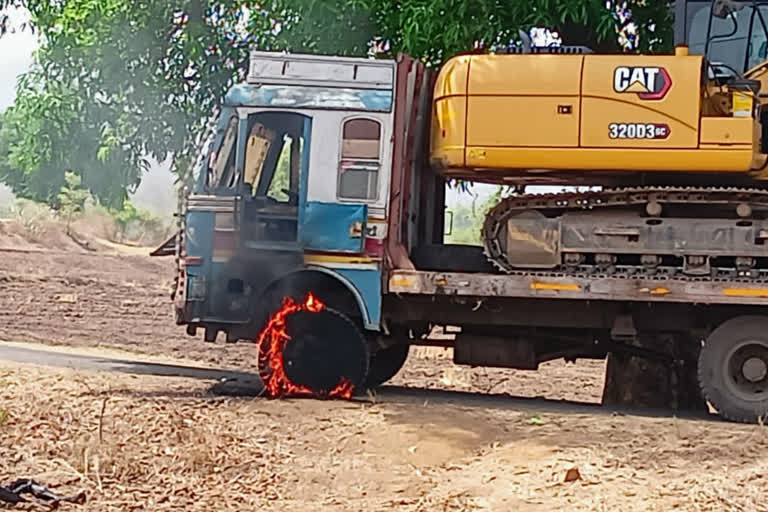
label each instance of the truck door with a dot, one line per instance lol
(274, 151)
(242, 225)
(207, 224)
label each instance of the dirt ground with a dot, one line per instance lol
(65, 295)
(441, 438)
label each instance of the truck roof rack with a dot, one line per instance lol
(272, 68)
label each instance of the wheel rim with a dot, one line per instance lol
(746, 370)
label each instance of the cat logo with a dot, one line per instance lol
(650, 83)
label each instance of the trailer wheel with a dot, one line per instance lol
(733, 369)
(385, 363)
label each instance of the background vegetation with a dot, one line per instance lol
(116, 82)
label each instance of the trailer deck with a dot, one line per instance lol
(547, 285)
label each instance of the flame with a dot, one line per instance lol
(271, 344)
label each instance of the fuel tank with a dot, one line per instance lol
(530, 115)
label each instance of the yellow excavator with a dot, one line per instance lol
(673, 150)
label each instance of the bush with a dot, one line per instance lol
(468, 220)
(131, 225)
(140, 226)
(37, 219)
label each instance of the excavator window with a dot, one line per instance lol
(731, 34)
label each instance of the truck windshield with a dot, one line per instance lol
(274, 149)
(737, 39)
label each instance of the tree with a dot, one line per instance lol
(139, 77)
(468, 220)
(118, 81)
(50, 129)
(72, 198)
(437, 29)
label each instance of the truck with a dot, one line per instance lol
(323, 180)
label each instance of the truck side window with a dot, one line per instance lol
(360, 160)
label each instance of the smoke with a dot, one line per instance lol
(157, 192)
(6, 196)
(15, 56)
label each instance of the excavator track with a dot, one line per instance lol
(681, 233)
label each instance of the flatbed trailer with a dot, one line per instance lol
(584, 316)
(358, 219)
(579, 288)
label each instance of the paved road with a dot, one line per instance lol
(14, 353)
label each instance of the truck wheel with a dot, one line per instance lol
(733, 369)
(324, 348)
(385, 363)
(320, 350)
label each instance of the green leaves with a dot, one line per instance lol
(117, 82)
(334, 27)
(120, 81)
(72, 197)
(437, 29)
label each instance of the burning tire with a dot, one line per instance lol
(385, 363)
(308, 350)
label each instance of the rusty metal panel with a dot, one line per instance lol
(397, 253)
(533, 241)
(332, 71)
(494, 352)
(676, 236)
(206, 203)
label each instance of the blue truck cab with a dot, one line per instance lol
(290, 195)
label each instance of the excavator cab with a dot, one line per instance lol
(733, 35)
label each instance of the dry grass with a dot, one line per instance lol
(146, 443)
(131, 449)
(36, 222)
(157, 444)
(29, 223)
(166, 444)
